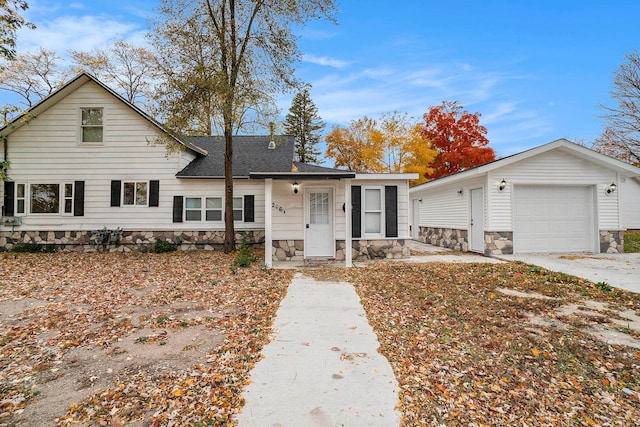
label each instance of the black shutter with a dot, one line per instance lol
(391, 210)
(177, 208)
(9, 196)
(154, 193)
(356, 214)
(249, 208)
(116, 187)
(78, 198)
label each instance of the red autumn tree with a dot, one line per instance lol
(458, 137)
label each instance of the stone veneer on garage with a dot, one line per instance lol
(293, 250)
(498, 243)
(611, 242)
(128, 241)
(444, 237)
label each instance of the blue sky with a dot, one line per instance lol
(536, 70)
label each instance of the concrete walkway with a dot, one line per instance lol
(618, 270)
(322, 367)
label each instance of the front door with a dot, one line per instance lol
(477, 220)
(318, 239)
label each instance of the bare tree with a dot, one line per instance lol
(621, 137)
(33, 76)
(250, 54)
(128, 69)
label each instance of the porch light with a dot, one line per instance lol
(296, 186)
(502, 185)
(612, 188)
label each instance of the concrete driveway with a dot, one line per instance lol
(618, 270)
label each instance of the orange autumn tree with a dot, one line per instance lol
(406, 150)
(458, 137)
(358, 147)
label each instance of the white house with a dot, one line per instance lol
(559, 197)
(84, 160)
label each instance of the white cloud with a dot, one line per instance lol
(325, 61)
(77, 33)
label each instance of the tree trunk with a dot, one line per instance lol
(229, 229)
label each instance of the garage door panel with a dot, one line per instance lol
(553, 219)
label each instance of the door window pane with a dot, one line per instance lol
(319, 208)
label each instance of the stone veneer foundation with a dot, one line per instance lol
(124, 240)
(450, 238)
(293, 250)
(611, 242)
(498, 243)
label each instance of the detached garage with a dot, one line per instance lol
(556, 198)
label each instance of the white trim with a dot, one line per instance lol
(363, 211)
(561, 144)
(348, 245)
(386, 176)
(268, 229)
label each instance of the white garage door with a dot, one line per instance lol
(553, 219)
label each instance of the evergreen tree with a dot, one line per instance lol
(305, 124)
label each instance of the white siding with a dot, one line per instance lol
(552, 168)
(629, 195)
(444, 207)
(46, 150)
(288, 223)
(403, 202)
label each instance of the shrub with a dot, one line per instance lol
(33, 248)
(245, 255)
(604, 286)
(161, 246)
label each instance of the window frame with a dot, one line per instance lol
(82, 126)
(27, 201)
(135, 194)
(380, 211)
(204, 209)
(24, 199)
(241, 209)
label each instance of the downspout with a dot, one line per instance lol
(4, 167)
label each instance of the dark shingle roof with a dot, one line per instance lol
(250, 154)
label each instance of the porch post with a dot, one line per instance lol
(347, 211)
(268, 240)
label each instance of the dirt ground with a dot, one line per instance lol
(84, 346)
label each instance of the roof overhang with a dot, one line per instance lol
(302, 176)
(388, 176)
(564, 145)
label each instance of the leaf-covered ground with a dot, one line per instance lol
(466, 354)
(71, 319)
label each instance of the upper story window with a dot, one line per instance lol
(91, 125)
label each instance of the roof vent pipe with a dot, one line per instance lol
(272, 145)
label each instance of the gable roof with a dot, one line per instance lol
(561, 144)
(72, 85)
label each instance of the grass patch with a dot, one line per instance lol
(632, 241)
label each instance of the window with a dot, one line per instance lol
(135, 194)
(196, 210)
(20, 198)
(193, 209)
(68, 198)
(45, 198)
(238, 209)
(214, 209)
(91, 125)
(372, 211)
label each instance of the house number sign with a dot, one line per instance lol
(277, 207)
